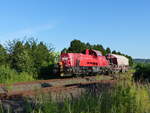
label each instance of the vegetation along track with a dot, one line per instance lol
(53, 85)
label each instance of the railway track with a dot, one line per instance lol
(24, 89)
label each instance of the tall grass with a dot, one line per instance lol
(8, 75)
(125, 97)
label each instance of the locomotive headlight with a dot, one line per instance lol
(60, 63)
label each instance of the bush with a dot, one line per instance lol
(8, 75)
(142, 72)
(30, 56)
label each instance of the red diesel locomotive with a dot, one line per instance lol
(88, 63)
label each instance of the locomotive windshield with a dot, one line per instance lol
(98, 53)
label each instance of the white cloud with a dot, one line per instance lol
(29, 32)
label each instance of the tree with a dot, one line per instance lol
(130, 60)
(20, 58)
(88, 46)
(76, 46)
(64, 50)
(114, 52)
(3, 55)
(99, 48)
(40, 54)
(54, 57)
(108, 50)
(30, 56)
(23, 63)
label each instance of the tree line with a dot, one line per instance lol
(28, 56)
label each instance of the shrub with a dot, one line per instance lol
(8, 75)
(30, 56)
(142, 72)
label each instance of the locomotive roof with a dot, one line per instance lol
(97, 52)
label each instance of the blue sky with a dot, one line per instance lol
(123, 25)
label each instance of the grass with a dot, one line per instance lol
(9, 76)
(125, 97)
(103, 77)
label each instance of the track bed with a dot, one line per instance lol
(36, 85)
(13, 95)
